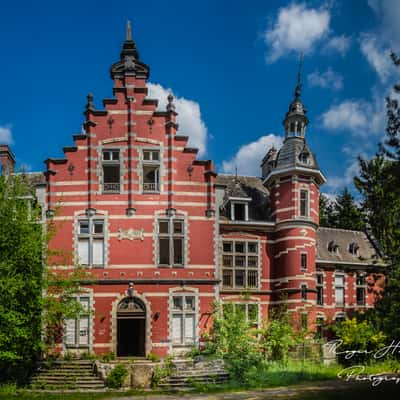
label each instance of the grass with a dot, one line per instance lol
(273, 375)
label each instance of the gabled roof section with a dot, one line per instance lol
(366, 253)
(246, 187)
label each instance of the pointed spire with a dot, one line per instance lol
(170, 105)
(128, 32)
(295, 121)
(297, 91)
(89, 103)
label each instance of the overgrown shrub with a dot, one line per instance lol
(109, 356)
(358, 341)
(278, 336)
(117, 377)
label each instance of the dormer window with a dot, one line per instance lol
(304, 158)
(239, 211)
(333, 247)
(353, 248)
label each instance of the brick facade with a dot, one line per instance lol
(165, 237)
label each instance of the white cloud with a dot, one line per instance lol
(360, 117)
(189, 116)
(327, 79)
(388, 12)
(248, 158)
(6, 135)
(377, 56)
(297, 28)
(340, 44)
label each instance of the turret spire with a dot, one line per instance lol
(128, 31)
(295, 121)
(129, 59)
(297, 91)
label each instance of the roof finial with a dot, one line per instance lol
(297, 91)
(236, 174)
(128, 31)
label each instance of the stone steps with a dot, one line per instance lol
(70, 375)
(187, 373)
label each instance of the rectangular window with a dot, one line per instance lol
(339, 290)
(240, 264)
(111, 171)
(249, 311)
(361, 289)
(320, 289)
(76, 331)
(183, 320)
(304, 262)
(303, 290)
(151, 171)
(304, 203)
(91, 242)
(171, 238)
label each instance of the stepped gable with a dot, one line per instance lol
(342, 238)
(246, 187)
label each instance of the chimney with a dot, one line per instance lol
(7, 160)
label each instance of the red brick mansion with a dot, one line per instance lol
(165, 236)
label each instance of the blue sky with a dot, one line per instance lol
(231, 65)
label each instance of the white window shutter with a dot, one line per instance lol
(98, 252)
(84, 331)
(189, 328)
(70, 325)
(83, 251)
(177, 328)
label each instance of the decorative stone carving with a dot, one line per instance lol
(131, 234)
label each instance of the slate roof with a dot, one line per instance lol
(288, 155)
(367, 253)
(247, 186)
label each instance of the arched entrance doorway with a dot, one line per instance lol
(131, 328)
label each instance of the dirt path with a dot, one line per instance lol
(262, 394)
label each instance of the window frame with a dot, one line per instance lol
(320, 289)
(91, 236)
(303, 261)
(249, 273)
(111, 163)
(362, 288)
(235, 304)
(303, 291)
(77, 325)
(182, 313)
(342, 287)
(151, 163)
(305, 201)
(171, 235)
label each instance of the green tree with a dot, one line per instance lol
(379, 184)
(347, 215)
(35, 300)
(21, 277)
(326, 213)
